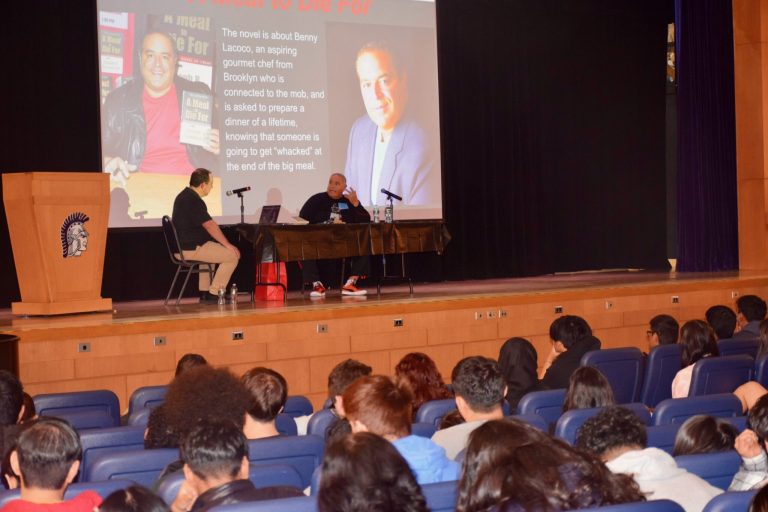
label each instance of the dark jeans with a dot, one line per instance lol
(361, 266)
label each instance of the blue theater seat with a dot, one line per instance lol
(141, 466)
(139, 417)
(298, 405)
(568, 425)
(761, 370)
(304, 453)
(738, 346)
(83, 409)
(622, 367)
(547, 404)
(441, 497)
(109, 440)
(267, 475)
(423, 429)
(663, 436)
(716, 468)
(103, 489)
(642, 506)
(147, 397)
(285, 425)
(320, 422)
(713, 375)
(660, 369)
(730, 502)
(533, 420)
(434, 410)
(298, 504)
(677, 410)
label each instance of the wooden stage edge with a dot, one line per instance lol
(303, 339)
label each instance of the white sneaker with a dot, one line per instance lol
(351, 289)
(318, 291)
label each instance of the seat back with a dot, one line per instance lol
(716, 468)
(146, 397)
(434, 410)
(83, 409)
(423, 429)
(568, 425)
(547, 404)
(441, 496)
(109, 440)
(677, 410)
(103, 489)
(304, 453)
(534, 420)
(141, 466)
(738, 346)
(320, 422)
(286, 425)
(622, 367)
(660, 369)
(267, 475)
(139, 417)
(298, 504)
(641, 506)
(720, 374)
(662, 436)
(298, 405)
(761, 370)
(731, 502)
(172, 240)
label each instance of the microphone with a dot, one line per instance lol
(391, 195)
(238, 191)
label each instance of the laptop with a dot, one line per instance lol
(269, 214)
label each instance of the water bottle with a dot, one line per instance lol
(388, 213)
(222, 299)
(335, 212)
(375, 213)
(233, 293)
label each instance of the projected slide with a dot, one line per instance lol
(274, 95)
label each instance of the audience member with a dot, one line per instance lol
(588, 388)
(704, 434)
(451, 419)
(479, 387)
(762, 349)
(215, 455)
(365, 472)
(663, 331)
(571, 338)
(29, 412)
(158, 433)
(759, 501)
(619, 438)
(47, 458)
(722, 319)
(133, 499)
(421, 373)
(510, 465)
(11, 399)
(379, 405)
(342, 375)
(749, 393)
(268, 393)
(518, 363)
(751, 445)
(698, 341)
(189, 361)
(750, 311)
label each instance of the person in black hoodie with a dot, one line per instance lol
(517, 360)
(571, 339)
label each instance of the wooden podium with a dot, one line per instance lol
(57, 222)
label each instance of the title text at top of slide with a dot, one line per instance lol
(356, 7)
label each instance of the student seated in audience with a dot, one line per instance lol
(421, 373)
(215, 455)
(518, 363)
(750, 311)
(479, 387)
(379, 405)
(451, 419)
(342, 375)
(704, 434)
(759, 501)
(751, 445)
(268, 392)
(663, 330)
(133, 499)
(189, 361)
(47, 458)
(588, 388)
(571, 338)
(762, 349)
(510, 465)
(698, 341)
(365, 472)
(722, 319)
(618, 437)
(11, 399)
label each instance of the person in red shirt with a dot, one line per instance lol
(47, 457)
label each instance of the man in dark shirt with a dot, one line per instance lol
(338, 204)
(215, 455)
(201, 238)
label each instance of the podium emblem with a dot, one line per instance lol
(74, 237)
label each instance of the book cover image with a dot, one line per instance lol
(196, 118)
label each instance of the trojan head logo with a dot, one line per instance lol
(74, 237)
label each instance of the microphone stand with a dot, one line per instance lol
(242, 208)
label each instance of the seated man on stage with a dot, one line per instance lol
(200, 238)
(338, 205)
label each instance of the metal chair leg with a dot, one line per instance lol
(167, 297)
(184, 286)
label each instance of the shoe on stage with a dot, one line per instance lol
(318, 290)
(350, 289)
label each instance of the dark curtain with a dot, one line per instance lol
(552, 126)
(706, 158)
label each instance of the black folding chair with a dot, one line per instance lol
(177, 257)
